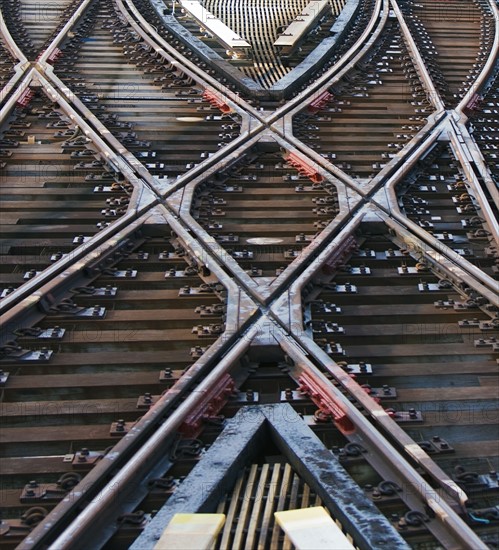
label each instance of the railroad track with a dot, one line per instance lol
(54, 185)
(33, 25)
(351, 318)
(484, 128)
(234, 208)
(268, 67)
(164, 335)
(96, 319)
(121, 78)
(434, 25)
(356, 106)
(437, 198)
(352, 315)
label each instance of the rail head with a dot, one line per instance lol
(487, 70)
(432, 93)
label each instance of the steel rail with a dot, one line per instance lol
(441, 261)
(235, 448)
(191, 68)
(475, 152)
(85, 255)
(110, 148)
(434, 96)
(11, 102)
(288, 306)
(329, 167)
(240, 306)
(395, 167)
(95, 250)
(476, 278)
(158, 6)
(265, 294)
(75, 536)
(488, 287)
(389, 202)
(29, 294)
(459, 528)
(202, 167)
(400, 159)
(136, 166)
(107, 501)
(19, 68)
(161, 189)
(12, 83)
(138, 205)
(147, 33)
(454, 265)
(458, 137)
(487, 69)
(210, 165)
(292, 303)
(132, 164)
(10, 42)
(286, 113)
(240, 311)
(62, 34)
(419, 142)
(125, 160)
(450, 521)
(286, 309)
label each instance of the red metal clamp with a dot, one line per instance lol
(54, 56)
(216, 101)
(303, 168)
(312, 387)
(320, 102)
(339, 254)
(212, 403)
(25, 97)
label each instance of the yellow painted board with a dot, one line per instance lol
(312, 529)
(191, 532)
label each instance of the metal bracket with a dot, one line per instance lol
(33, 493)
(86, 459)
(147, 400)
(40, 356)
(211, 404)
(401, 417)
(119, 428)
(326, 404)
(356, 368)
(436, 445)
